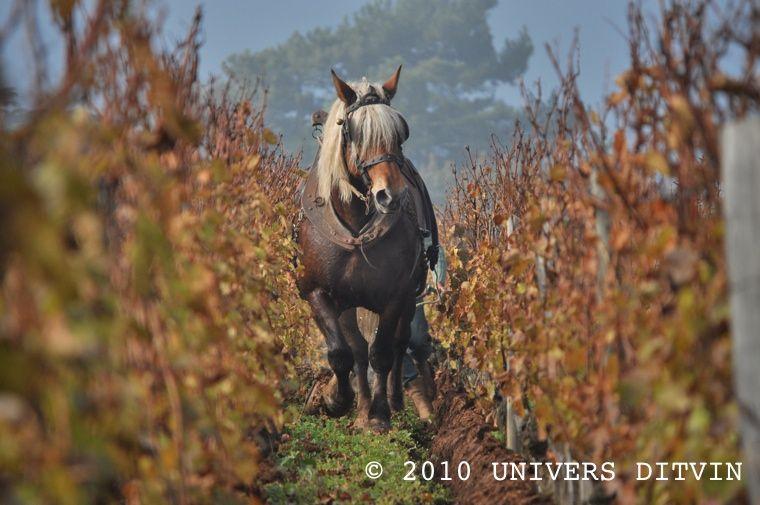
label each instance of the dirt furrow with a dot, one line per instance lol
(463, 435)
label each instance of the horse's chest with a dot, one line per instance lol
(372, 280)
(377, 276)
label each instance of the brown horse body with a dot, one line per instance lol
(383, 276)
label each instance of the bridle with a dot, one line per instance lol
(371, 98)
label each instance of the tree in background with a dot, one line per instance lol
(447, 94)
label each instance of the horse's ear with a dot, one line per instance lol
(391, 84)
(344, 91)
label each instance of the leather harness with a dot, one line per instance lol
(415, 204)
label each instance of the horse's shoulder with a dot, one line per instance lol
(423, 203)
(426, 219)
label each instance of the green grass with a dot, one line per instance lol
(324, 460)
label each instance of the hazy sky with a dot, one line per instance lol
(234, 25)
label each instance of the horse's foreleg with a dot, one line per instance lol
(400, 344)
(358, 344)
(339, 354)
(395, 383)
(381, 358)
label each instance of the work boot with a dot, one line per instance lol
(426, 373)
(416, 391)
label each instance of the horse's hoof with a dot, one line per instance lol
(337, 408)
(397, 405)
(361, 422)
(379, 425)
(313, 405)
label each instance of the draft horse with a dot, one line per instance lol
(364, 213)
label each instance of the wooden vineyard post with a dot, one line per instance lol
(741, 182)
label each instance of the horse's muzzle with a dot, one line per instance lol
(387, 201)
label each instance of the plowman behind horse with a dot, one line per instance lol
(366, 213)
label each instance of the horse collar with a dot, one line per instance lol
(320, 212)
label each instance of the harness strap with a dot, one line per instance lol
(370, 98)
(393, 158)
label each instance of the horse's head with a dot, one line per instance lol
(362, 139)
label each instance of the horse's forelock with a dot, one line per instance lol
(375, 127)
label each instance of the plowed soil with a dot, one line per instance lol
(463, 435)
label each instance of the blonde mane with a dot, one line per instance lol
(373, 128)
